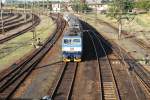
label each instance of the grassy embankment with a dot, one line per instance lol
(139, 26)
(18, 47)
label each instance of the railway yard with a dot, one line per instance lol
(32, 66)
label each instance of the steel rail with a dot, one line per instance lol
(15, 16)
(142, 44)
(13, 25)
(140, 71)
(115, 82)
(100, 74)
(14, 67)
(8, 89)
(146, 88)
(7, 17)
(127, 72)
(36, 22)
(2, 77)
(17, 20)
(65, 81)
(117, 94)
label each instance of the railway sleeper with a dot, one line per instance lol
(109, 90)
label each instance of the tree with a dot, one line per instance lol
(119, 9)
(142, 4)
(80, 6)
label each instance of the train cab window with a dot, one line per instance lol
(76, 41)
(67, 41)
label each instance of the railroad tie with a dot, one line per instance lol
(109, 91)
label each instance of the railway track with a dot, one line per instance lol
(11, 18)
(16, 22)
(107, 79)
(34, 24)
(139, 70)
(134, 80)
(140, 73)
(64, 83)
(142, 44)
(14, 76)
(7, 16)
(123, 73)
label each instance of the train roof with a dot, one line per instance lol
(73, 32)
(72, 36)
(75, 27)
(72, 20)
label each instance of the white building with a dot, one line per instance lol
(56, 6)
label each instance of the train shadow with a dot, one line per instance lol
(88, 48)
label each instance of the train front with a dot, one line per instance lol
(72, 48)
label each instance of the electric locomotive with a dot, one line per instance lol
(72, 40)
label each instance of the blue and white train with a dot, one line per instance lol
(72, 40)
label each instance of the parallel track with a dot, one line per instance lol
(141, 73)
(142, 44)
(16, 22)
(12, 79)
(139, 70)
(108, 83)
(10, 18)
(35, 23)
(18, 19)
(64, 85)
(9, 15)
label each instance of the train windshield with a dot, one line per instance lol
(67, 41)
(72, 41)
(76, 41)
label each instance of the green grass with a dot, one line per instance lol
(140, 22)
(143, 20)
(18, 47)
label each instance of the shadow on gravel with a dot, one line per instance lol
(88, 48)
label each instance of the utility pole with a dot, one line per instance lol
(25, 10)
(43, 6)
(3, 31)
(120, 28)
(33, 30)
(1, 4)
(47, 7)
(39, 8)
(47, 4)
(32, 7)
(96, 12)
